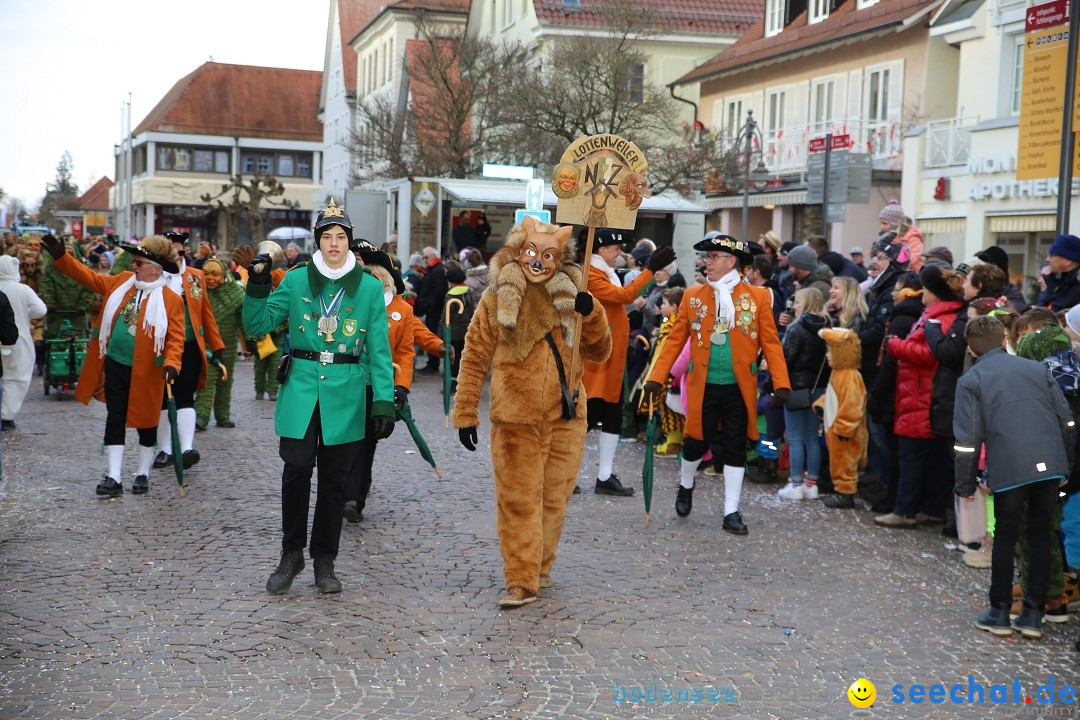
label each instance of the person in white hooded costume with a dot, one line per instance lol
(18, 359)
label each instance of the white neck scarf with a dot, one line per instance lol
(722, 294)
(322, 267)
(388, 297)
(176, 280)
(155, 319)
(599, 262)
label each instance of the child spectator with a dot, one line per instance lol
(843, 408)
(671, 422)
(460, 316)
(1017, 409)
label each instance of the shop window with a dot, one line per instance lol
(265, 164)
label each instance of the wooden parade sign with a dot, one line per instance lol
(600, 182)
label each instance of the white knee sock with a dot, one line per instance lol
(115, 454)
(185, 418)
(146, 457)
(733, 477)
(608, 444)
(689, 467)
(164, 434)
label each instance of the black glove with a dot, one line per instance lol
(54, 246)
(401, 395)
(170, 373)
(650, 391)
(217, 357)
(382, 427)
(661, 258)
(780, 397)
(583, 303)
(467, 437)
(259, 270)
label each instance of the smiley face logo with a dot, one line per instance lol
(862, 693)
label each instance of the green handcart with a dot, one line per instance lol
(65, 351)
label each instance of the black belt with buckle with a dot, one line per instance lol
(325, 357)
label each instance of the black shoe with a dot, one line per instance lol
(109, 487)
(200, 425)
(577, 489)
(6, 425)
(613, 486)
(995, 620)
(839, 501)
(428, 370)
(1029, 623)
(949, 531)
(733, 524)
(352, 512)
(882, 508)
(140, 485)
(162, 459)
(684, 501)
(291, 563)
(325, 579)
(190, 458)
(226, 424)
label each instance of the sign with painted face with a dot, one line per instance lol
(600, 182)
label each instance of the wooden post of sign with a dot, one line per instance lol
(582, 287)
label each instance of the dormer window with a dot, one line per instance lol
(863, 4)
(818, 11)
(774, 17)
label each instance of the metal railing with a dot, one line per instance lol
(948, 142)
(786, 149)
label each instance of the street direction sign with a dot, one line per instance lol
(1042, 103)
(541, 215)
(1055, 12)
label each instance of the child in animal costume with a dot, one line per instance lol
(523, 332)
(844, 409)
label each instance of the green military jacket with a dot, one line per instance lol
(338, 388)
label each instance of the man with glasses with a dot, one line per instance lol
(134, 350)
(1062, 285)
(729, 324)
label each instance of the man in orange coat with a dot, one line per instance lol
(134, 349)
(200, 334)
(604, 381)
(728, 323)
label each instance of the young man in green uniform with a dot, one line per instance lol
(337, 322)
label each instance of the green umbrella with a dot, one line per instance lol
(647, 470)
(177, 456)
(446, 379)
(404, 413)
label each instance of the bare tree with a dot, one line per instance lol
(257, 188)
(450, 111)
(700, 161)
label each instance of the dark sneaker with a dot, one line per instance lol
(226, 424)
(613, 486)
(140, 485)
(291, 563)
(109, 487)
(200, 425)
(352, 512)
(1029, 624)
(325, 579)
(995, 620)
(839, 501)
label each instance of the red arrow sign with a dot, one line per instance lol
(839, 142)
(1055, 12)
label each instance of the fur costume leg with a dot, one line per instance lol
(517, 457)
(565, 446)
(845, 458)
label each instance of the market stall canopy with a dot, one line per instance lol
(501, 192)
(289, 233)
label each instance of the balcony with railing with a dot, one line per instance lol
(948, 142)
(787, 150)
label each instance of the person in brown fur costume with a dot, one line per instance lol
(843, 407)
(523, 331)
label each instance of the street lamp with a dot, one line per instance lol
(750, 134)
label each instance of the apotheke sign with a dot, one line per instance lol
(1011, 188)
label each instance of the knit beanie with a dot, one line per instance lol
(802, 258)
(455, 275)
(1042, 343)
(1066, 246)
(641, 255)
(893, 213)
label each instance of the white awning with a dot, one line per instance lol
(499, 192)
(756, 199)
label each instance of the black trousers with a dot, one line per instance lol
(301, 457)
(358, 481)
(721, 405)
(191, 365)
(117, 388)
(1008, 508)
(605, 415)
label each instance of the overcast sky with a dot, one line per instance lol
(68, 66)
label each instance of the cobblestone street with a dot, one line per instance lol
(154, 606)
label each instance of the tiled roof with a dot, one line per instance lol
(703, 17)
(97, 197)
(353, 15)
(241, 100)
(843, 23)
